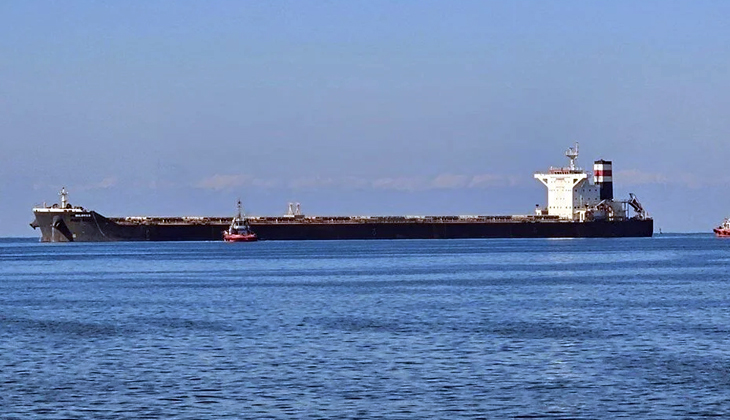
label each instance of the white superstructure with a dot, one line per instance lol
(63, 207)
(573, 195)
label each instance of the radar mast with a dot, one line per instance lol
(572, 154)
(64, 197)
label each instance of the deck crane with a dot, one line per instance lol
(636, 205)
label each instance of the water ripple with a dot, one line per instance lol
(583, 329)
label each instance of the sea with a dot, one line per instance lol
(378, 329)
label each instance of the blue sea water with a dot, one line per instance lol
(508, 328)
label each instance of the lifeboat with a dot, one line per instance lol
(723, 230)
(239, 230)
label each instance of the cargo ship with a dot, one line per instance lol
(579, 205)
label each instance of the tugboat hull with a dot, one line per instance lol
(240, 238)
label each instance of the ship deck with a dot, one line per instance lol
(331, 220)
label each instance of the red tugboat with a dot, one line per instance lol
(723, 230)
(239, 230)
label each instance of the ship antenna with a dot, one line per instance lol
(572, 154)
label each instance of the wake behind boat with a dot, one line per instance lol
(239, 230)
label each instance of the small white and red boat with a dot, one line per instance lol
(239, 230)
(723, 230)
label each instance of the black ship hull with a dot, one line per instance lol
(90, 226)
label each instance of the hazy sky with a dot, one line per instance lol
(360, 107)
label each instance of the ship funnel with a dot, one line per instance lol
(603, 178)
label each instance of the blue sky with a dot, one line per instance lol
(372, 107)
